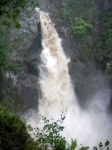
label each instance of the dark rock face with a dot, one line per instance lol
(33, 54)
(29, 83)
(84, 75)
(25, 82)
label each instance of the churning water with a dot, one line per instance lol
(90, 127)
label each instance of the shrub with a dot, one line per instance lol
(50, 135)
(81, 27)
(13, 135)
(50, 138)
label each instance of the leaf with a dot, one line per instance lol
(107, 143)
(100, 144)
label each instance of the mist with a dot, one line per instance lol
(88, 126)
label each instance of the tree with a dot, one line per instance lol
(10, 10)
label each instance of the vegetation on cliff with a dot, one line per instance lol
(10, 10)
(91, 25)
(14, 135)
(12, 58)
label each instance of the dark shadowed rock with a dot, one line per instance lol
(26, 81)
(30, 81)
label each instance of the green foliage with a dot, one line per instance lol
(8, 64)
(77, 8)
(50, 135)
(104, 41)
(80, 14)
(5, 51)
(108, 70)
(81, 27)
(91, 23)
(84, 148)
(73, 145)
(102, 146)
(14, 136)
(10, 10)
(13, 133)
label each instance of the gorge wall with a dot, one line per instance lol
(87, 74)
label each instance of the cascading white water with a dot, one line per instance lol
(57, 91)
(90, 127)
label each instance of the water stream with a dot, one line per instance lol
(88, 127)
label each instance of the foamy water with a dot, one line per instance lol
(90, 127)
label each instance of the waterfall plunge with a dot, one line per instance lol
(90, 127)
(57, 92)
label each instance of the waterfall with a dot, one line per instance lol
(88, 127)
(56, 87)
